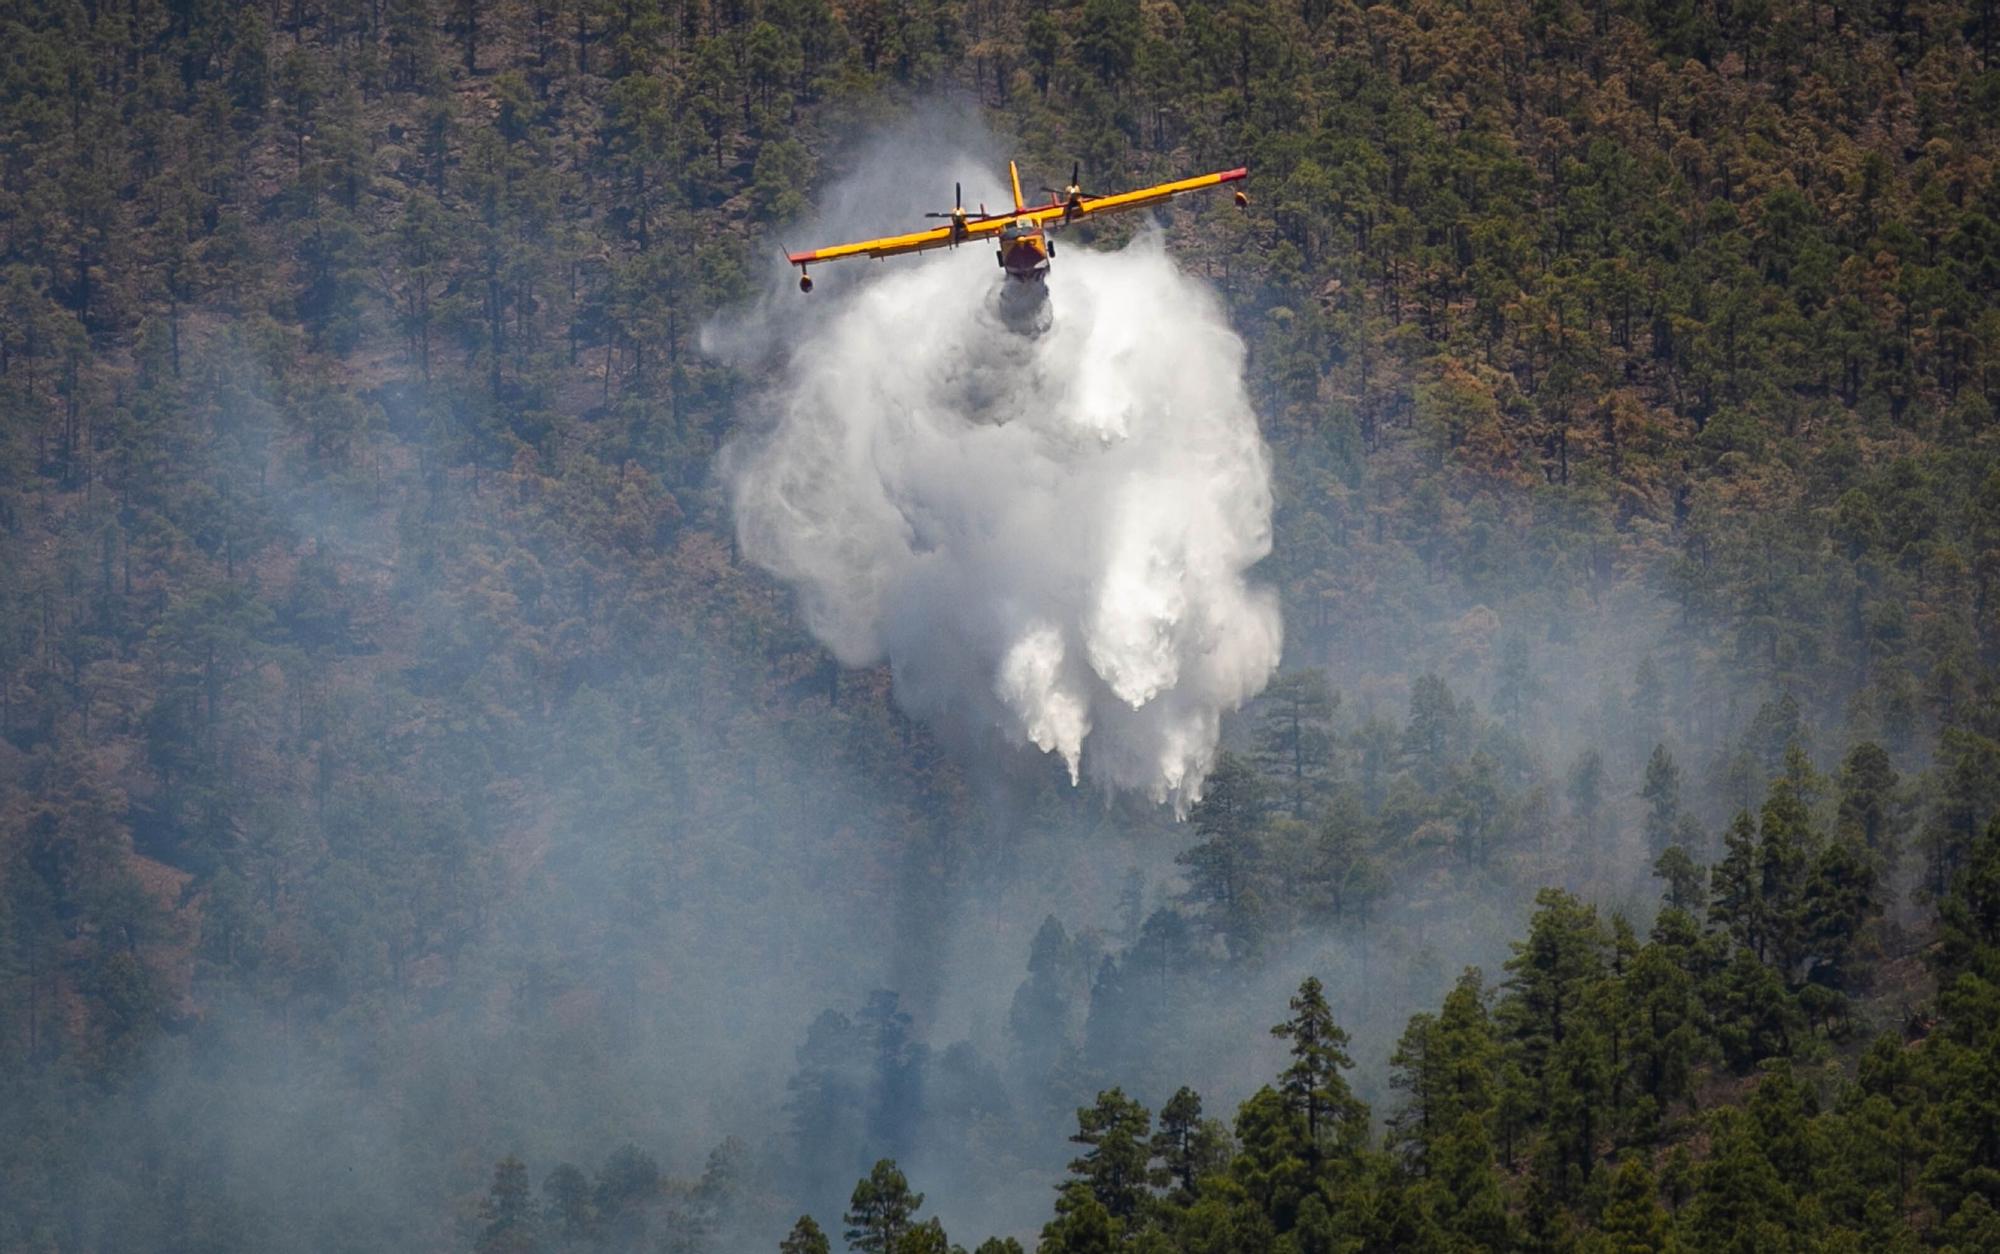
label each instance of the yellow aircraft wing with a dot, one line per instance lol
(1057, 212)
(1086, 206)
(914, 242)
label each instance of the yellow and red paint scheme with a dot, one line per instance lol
(1021, 235)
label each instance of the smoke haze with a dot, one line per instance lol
(1047, 533)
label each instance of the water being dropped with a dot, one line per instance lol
(1040, 507)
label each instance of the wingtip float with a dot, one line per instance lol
(1022, 233)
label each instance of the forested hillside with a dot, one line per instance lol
(401, 771)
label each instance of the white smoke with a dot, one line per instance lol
(1043, 533)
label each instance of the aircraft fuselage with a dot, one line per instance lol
(1024, 251)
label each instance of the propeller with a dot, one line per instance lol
(1074, 192)
(957, 214)
(957, 203)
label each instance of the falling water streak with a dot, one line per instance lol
(1044, 526)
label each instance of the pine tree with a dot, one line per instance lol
(1345, 875)
(898, 1067)
(1082, 1225)
(627, 1184)
(1186, 1145)
(1839, 905)
(567, 1210)
(1225, 867)
(1661, 792)
(1869, 808)
(1041, 1020)
(511, 1224)
(1741, 1204)
(1968, 793)
(1293, 740)
(1515, 1111)
(1435, 724)
(1755, 1017)
(1969, 916)
(1964, 1054)
(805, 1238)
(1668, 1029)
(1735, 899)
(1685, 879)
(1275, 1166)
(1876, 1123)
(1785, 847)
(927, 1237)
(1414, 1070)
(881, 1211)
(826, 1099)
(1313, 1085)
(1783, 1109)
(1116, 1131)
(1447, 1065)
(1550, 978)
(1552, 1019)
(1632, 1220)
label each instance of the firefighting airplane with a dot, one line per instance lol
(1024, 246)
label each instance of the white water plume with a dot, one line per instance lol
(1043, 533)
